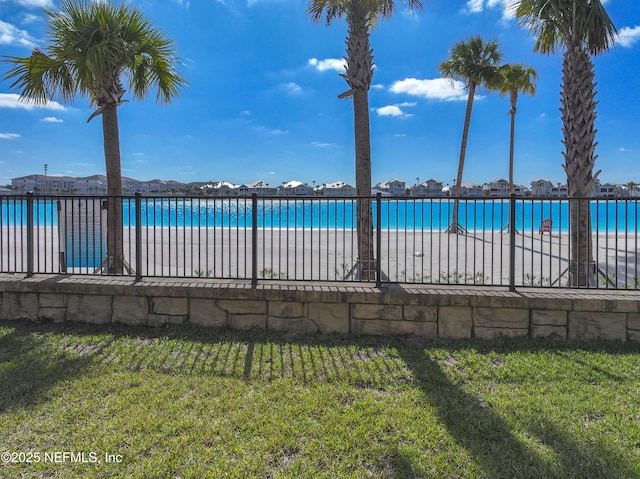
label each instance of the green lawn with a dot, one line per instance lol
(195, 403)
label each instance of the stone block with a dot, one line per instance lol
(454, 321)
(19, 306)
(330, 317)
(157, 320)
(376, 311)
(286, 309)
(492, 333)
(420, 313)
(509, 318)
(633, 335)
(50, 300)
(633, 321)
(247, 321)
(548, 317)
(243, 307)
(57, 315)
(587, 325)
(170, 306)
(132, 310)
(548, 331)
(89, 308)
(427, 329)
(163, 319)
(551, 302)
(206, 312)
(292, 325)
(606, 305)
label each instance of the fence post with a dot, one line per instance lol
(30, 227)
(512, 242)
(254, 239)
(378, 240)
(138, 236)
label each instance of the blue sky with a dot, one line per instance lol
(263, 104)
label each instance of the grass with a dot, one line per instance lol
(197, 403)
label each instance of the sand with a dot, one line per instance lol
(329, 255)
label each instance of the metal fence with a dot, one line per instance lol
(515, 242)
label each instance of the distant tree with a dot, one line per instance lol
(516, 78)
(477, 63)
(361, 16)
(582, 28)
(93, 46)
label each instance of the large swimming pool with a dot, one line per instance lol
(403, 214)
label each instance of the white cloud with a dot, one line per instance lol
(322, 145)
(290, 88)
(52, 119)
(336, 64)
(11, 35)
(389, 110)
(478, 6)
(436, 89)
(9, 136)
(30, 18)
(475, 6)
(12, 100)
(627, 36)
(32, 3)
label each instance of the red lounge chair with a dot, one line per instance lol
(545, 227)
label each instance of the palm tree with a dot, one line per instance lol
(361, 16)
(516, 78)
(93, 47)
(582, 28)
(477, 64)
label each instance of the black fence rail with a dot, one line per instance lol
(514, 242)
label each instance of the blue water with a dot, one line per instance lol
(427, 214)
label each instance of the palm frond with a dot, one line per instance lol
(92, 47)
(557, 23)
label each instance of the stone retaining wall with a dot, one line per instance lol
(446, 312)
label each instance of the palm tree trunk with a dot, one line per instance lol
(115, 251)
(455, 227)
(363, 185)
(578, 119)
(359, 74)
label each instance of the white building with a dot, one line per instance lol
(470, 189)
(60, 185)
(430, 187)
(339, 188)
(500, 188)
(541, 187)
(219, 188)
(295, 188)
(393, 187)
(260, 188)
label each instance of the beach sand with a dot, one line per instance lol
(329, 255)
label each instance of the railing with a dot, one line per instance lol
(514, 242)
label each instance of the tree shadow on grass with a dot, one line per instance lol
(490, 441)
(366, 362)
(29, 366)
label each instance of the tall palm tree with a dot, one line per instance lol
(92, 48)
(361, 16)
(516, 78)
(477, 63)
(582, 28)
